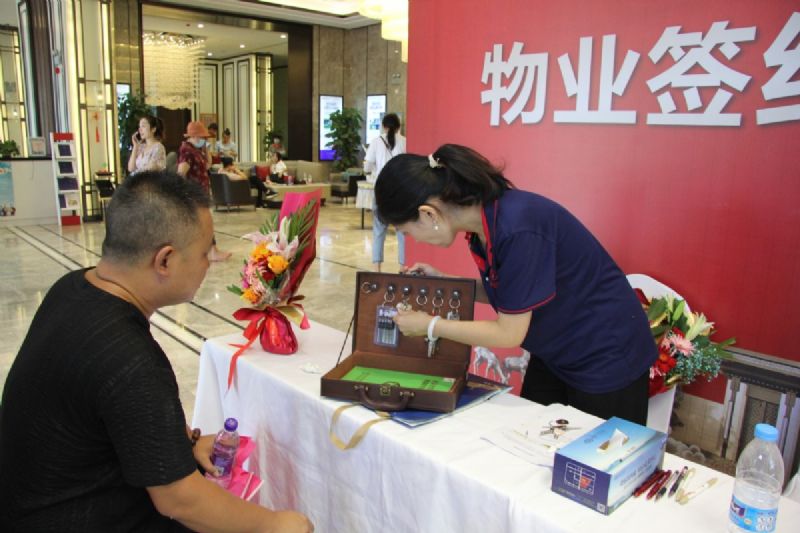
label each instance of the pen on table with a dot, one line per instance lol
(689, 495)
(684, 484)
(677, 483)
(658, 484)
(648, 483)
(665, 486)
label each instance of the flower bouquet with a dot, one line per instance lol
(685, 348)
(283, 249)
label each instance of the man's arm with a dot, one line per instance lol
(201, 505)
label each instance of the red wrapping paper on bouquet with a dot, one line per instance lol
(272, 323)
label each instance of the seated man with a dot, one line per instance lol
(93, 436)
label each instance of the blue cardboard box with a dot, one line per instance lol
(602, 468)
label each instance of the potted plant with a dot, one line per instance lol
(131, 108)
(345, 138)
(8, 149)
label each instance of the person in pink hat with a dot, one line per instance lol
(194, 160)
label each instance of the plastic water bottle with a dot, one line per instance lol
(759, 479)
(225, 445)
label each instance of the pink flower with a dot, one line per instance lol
(678, 344)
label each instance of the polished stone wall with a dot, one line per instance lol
(356, 63)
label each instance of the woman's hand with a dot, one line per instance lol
(135, 142)
(423, 268)
(413, 323)
(202, 453)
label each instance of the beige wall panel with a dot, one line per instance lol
(228, 97)
(396, 80)
(377, 50)
(331, 67)
(244, 108)
(355, 63)
(207, 90)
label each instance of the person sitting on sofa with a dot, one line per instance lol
(227, 148)
(277, 168)
(234, 173)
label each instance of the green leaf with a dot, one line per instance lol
(235, 289)
(678, 312)
(657, 308)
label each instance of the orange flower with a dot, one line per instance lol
(277, 264)
(260, 252)
(251, 296)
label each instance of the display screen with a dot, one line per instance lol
(327, 106)
(376, 108)
(66, 167)
(64, 150)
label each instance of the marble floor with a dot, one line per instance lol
(35, 257)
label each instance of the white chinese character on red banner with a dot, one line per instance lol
(788, 63)
(524, 70)
(581, 87)
(699, 56)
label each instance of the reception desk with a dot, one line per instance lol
(30, 192)
(442, 477)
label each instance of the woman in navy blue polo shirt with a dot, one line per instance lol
(556, 290)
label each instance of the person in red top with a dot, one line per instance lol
(194, 160)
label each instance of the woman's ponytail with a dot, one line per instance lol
(392, 124)
(469, 178)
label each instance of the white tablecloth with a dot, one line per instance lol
(437, 478)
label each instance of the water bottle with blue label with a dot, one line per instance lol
(759, 480)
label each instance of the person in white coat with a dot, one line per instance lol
(380, 151)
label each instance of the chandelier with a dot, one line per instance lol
(171, 68)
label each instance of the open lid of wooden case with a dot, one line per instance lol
(453, 297)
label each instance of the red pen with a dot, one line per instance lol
(648, 483)
(658, 484)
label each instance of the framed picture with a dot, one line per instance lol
(38, 147)
(208, 118)
(328, 105)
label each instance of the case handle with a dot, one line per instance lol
(386, 390)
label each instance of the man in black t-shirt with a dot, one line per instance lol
(92, 435)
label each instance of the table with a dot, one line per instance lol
(365, 198)
(437, 478)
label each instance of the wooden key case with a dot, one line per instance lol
(381, 349)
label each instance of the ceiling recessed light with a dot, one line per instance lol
(210, 54)
(283, 36)
(201, 25)
(241, 46)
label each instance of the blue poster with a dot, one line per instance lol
(7, 208)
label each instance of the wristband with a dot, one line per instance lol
(431, 325)
(195, 436)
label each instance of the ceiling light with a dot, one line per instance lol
(283, 36)
(210, 54)
(241, 46)
(201, 25)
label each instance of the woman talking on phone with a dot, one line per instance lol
(148, 153)
(556, 290)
